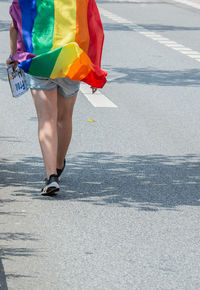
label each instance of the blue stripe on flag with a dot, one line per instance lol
(25, 65)
(29, 13)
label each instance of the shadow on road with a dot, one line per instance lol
(146, 183)
(3, 72)
(150, 76)
(131, 2)
(12, 175)
(143, 182)
(7, 1)
(151, 182)
(161, 27)
(4, 25)
(3, 283)
(151, 27)
(115, 26)
(8, 253)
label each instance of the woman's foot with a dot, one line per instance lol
(59, 171)
(51, 185)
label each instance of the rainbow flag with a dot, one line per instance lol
(59, 38)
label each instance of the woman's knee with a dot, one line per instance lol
(65, 107)
(64, 117)
(65, 113)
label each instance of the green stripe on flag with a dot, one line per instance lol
(43, 29)
(43, 64)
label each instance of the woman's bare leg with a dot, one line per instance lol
(64, 126)
(46, 108)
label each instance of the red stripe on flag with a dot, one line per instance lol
(96, 33)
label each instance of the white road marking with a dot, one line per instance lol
(97, 99)
(130, 1)
(195, 56)
(152, 35)
(189, 3)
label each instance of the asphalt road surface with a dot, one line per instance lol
(127, 215)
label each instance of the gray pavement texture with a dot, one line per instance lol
(127, 216)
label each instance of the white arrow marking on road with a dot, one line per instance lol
(97, 99)
(152, 35)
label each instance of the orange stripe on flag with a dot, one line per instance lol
(82, 32)
(80, 68)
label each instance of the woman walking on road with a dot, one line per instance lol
(58, 44)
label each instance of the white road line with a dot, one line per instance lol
(97, 99)
(130, 1)
(186, 2)
(195, 56)
(189, 3)
(152, 35)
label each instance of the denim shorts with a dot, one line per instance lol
(65, 86)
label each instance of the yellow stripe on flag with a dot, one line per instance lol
(67, 56)
(64, 22)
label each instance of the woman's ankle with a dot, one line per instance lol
(48, 174)
(61, 164)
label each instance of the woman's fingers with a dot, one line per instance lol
(15, 65)
(10, 61)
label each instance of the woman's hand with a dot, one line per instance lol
(9, 61)
(93, 89)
